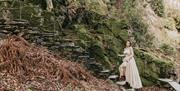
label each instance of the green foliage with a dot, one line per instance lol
(129, 5)
(91, 18)
(135, 24)
(29, 13)
(117, 28)
(103, 48)
(152, 68)
(167, 49)
(48, 20)
(103, 36)
(158, 7)
(41, 3)
(178, 27)
(177, 20)
(97, 51)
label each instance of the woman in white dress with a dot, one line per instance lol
(128, 69)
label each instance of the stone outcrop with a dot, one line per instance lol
(93, 33)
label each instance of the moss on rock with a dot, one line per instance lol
(152, 68)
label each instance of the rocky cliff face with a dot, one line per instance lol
(163, 26)
(95, 31)
(162, 18)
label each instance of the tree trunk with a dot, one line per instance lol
(49, 5)
(101, 2)
(119, 4)
(6, 14)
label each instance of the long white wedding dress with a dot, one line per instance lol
(131, 72)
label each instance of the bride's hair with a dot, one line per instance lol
(129, 42)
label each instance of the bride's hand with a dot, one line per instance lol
(129, 58)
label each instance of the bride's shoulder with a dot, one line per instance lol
(131, 47)
(128, 48)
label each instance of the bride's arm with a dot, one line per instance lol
(131, 53)
(121, 55)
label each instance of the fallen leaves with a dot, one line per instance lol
(27, 67)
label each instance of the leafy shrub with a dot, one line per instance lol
(158, 7)
(178, 24)
(136, 24)
(167, 49)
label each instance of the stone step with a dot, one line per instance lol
(38, 16)
(84, 56)
(68, 40)
(2, 21)
(47, 34)
(2, 26)
(68, 44)
(9, 8)
(95, 63)
(8, 27)
(32, 32)
(57, 43)
(70, 47)
(113, 76)
(131, 90)
(105, 71)
(92, 58)
(67, 31)
(4, 31)
(121, 83)
(2, 34)
(5, 0)
(61, 45)
(173, 84)
(18, 22)
(33, 28)
(86, 52)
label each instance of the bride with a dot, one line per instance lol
(128, 69)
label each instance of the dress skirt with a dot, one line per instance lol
(132, 74)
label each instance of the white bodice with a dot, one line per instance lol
(127, 51)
